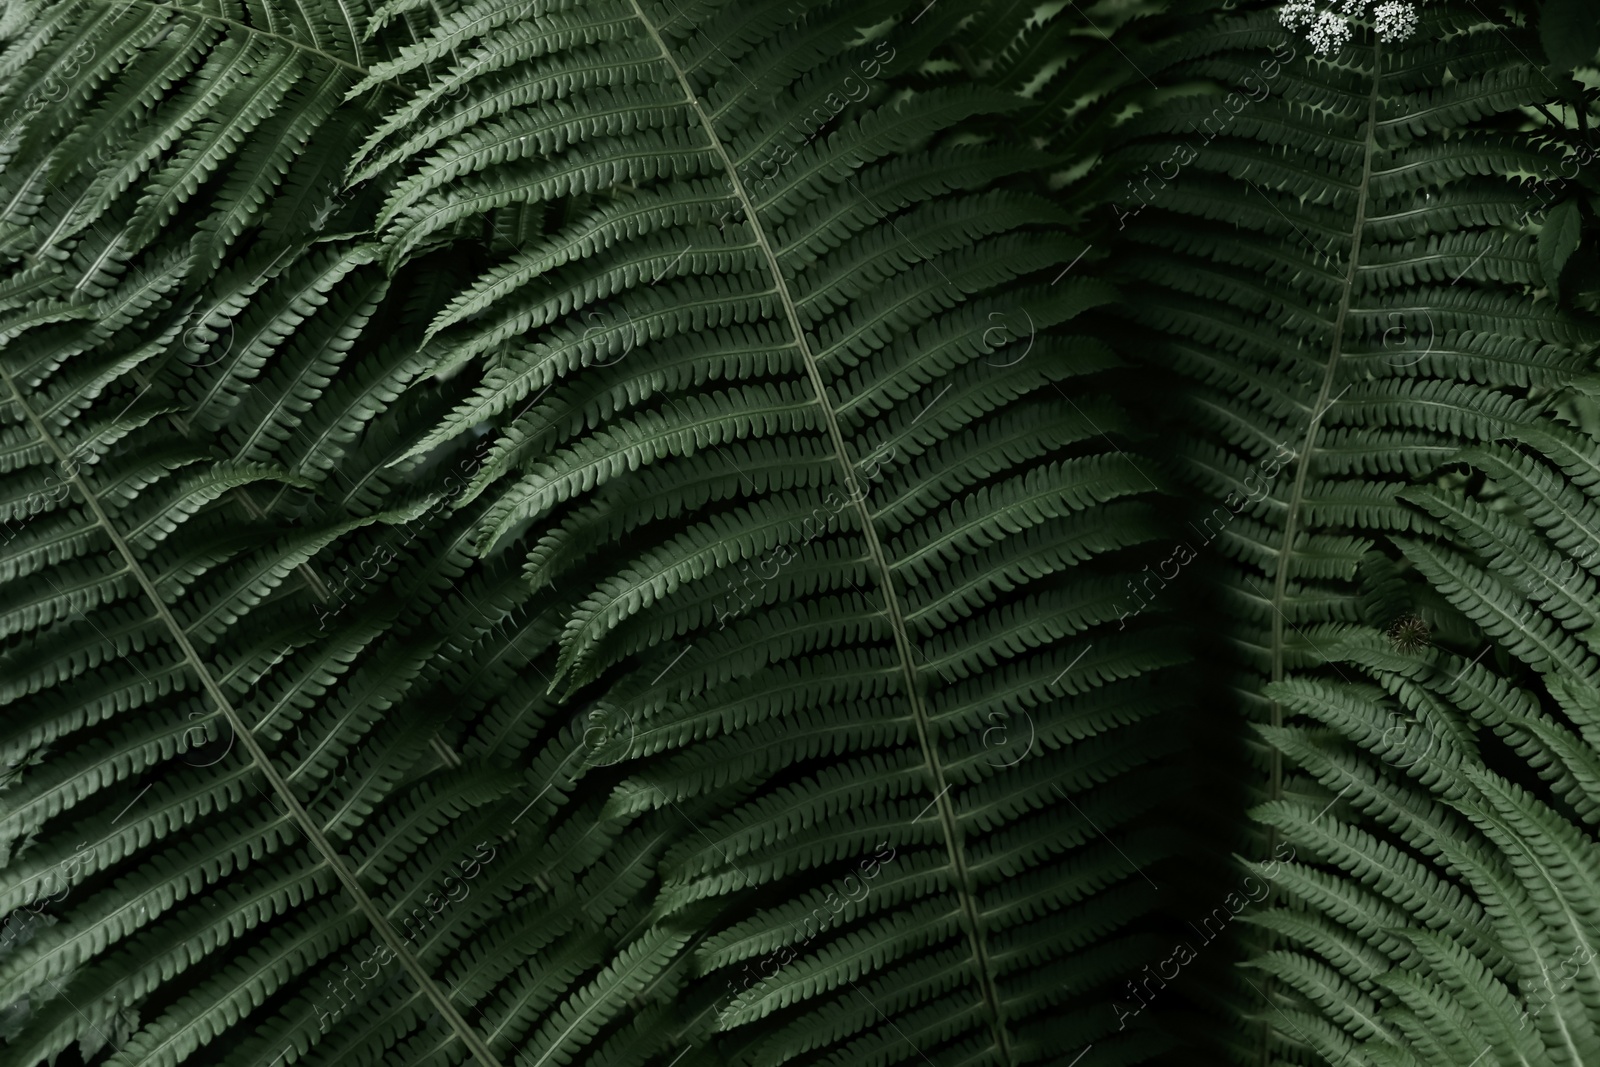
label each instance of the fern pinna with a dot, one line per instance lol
(546, 532)
(1364, 257)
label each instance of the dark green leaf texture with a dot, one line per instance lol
(745, 532)
(545, 533)
(1412, 597)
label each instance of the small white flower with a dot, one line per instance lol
(1297, 13)
(1330, 33)
(1329, 29)
(1395, 20)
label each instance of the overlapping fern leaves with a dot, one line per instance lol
(546, 532)
(1361, 258)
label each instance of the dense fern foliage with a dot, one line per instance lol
(748, 532)
(1359, 261)
(546, 533)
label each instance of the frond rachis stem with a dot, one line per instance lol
(893, 610)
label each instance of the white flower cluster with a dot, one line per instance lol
(1328, 29)
(1395, 20)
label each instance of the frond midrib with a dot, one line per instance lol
(892, 607)
(1302, 472)
(298, 814)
